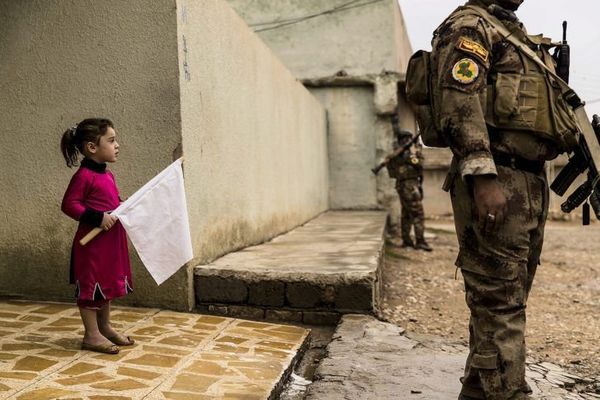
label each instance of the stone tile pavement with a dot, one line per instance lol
(176, 355)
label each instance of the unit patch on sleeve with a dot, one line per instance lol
(474, 48)
(465, 71)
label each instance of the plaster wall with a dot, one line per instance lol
(351, 140)
(175, 78)
(62, 61)
(402, 47)
(360, 39)
(254, 139)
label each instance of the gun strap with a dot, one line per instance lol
(583, 121)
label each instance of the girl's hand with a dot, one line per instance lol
(108, 221)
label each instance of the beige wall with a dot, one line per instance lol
(254, 138)
(63, 61)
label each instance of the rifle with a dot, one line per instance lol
(581, 160)
(562, 56)
(396, 153)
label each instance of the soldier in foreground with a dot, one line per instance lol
(407, 169)
(503, 115)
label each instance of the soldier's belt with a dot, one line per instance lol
(517, 162)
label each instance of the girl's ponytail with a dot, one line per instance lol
(74, 139)
(69, 147)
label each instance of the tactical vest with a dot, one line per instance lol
(530, 101)
(405, 166)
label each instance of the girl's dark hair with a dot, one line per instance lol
(74, 139)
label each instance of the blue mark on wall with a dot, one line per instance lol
(186, 66)
(184, 14)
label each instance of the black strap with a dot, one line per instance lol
(517, 162)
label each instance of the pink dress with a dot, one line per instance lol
(100, 270)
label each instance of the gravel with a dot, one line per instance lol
(423, 293)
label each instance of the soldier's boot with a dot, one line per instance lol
(422, 245)
(465, 397)
(407, 243)
(420, 236)
(405, 231)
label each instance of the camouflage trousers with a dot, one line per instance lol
(411, 203)
(498, 271)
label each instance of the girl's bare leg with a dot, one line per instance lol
(92, 333)
(105, 326)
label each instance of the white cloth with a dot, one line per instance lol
(156, 220)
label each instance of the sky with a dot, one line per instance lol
(539, 16)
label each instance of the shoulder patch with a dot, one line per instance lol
(465, 71)
(474, 48)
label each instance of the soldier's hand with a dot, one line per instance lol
(490, 202)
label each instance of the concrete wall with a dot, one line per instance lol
(254, 139)
(362, 40)
(359, 40)
(352, 136)
(63, 61)
(402, 47)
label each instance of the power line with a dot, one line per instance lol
(343, 7)
(279, 21)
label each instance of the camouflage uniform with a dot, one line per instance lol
(488, 98)
(407, 170)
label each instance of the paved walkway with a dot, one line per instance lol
(373, 360)
(335, 243)
(176, 355)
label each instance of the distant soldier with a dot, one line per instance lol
(407, 169)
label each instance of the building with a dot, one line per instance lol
(352, 55)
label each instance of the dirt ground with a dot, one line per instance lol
(422, 295)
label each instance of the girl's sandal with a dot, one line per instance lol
(120, 342)
(105, 348)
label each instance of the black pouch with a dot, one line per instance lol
(419, 94)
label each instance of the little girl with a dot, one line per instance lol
(100, 270)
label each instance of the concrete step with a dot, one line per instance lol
(313, 274)
(176, 355)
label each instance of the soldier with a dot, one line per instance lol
(502, 116)
(407, 169)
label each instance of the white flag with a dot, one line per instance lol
(156, 220)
